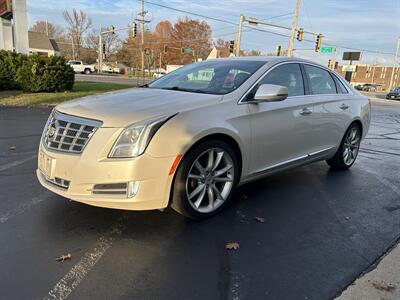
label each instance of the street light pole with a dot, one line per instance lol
(100, 60)
(293, 30)
(394, 63)
(239, 36)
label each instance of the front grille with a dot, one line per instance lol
(68, 133)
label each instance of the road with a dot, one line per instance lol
(111, 79)
(322, 229)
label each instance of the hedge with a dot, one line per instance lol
(34, 73)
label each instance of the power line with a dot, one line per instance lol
(261, 30)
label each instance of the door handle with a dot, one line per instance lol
(344, 106)
(305, 112)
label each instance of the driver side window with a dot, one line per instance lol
(288, 75)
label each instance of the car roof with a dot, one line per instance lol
(266, 59)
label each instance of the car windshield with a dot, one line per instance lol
(396, 90)
(209, 77)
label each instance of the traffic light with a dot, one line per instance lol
(231, 46)
(104, 50)
(318, 42)
(278, 50)
(300, 34)
(165, 48)
(134, 30)
(330, 64)
(112, 29)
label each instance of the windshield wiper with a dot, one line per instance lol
(144, 85)
(177, 88)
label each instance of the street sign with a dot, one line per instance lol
(326, 49)
(349, 68)
(353, 55)
(187, 50)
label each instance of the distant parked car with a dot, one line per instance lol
(359, 87)
(110, 69)
(369, 87)
(80, 67)
(158, 74)
(394, 94)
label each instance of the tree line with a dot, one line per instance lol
(79, 40)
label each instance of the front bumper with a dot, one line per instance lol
(90, 168)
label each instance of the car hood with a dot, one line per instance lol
(122, 108)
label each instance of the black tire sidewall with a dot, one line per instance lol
(180, 202)
(337, 162)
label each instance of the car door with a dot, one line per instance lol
(331, 114)
(280, 130)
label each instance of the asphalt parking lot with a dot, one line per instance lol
(322, 230)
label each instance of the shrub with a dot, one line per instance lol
(45, 74)
(10, 62)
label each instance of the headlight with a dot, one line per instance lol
(134, 139)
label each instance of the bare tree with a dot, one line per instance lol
(111, 41)
(79, 23)
(53, 31)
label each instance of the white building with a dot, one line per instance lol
(14, 26)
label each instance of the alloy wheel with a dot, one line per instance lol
(351, 146)
(210, 180)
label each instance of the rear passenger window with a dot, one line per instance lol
(288, 75)
(321, 82)
(341, 89)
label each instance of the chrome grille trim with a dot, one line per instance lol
(67, 133)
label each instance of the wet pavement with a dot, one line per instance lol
(322, 229)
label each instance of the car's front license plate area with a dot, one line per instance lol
(46, 164)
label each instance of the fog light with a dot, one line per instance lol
(133, 188)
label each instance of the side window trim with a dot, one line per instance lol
(306, 83)
(243, 99)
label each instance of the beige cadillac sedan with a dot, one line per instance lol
(189, 138)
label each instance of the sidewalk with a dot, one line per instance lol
(382, 283)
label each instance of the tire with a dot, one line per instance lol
(348, 150)
(87, 71)
(192, 188)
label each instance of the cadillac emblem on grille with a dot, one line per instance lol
(68, 133)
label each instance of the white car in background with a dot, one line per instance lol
(110, 69)
(188, 139)
(158, 74)
(80, 67)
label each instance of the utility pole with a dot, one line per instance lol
(394, 63)
(142, 13)
(47, 28)
(100, 59)
(293, 30)
(239, 36)
(73, 47)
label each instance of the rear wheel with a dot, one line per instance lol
(348, 150)
(87, 71)
(205, 180)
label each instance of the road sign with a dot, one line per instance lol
(353, 55)
(349, 68)
(187, 50)
(326, 49)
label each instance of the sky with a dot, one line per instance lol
(359, 24)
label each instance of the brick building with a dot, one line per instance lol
(373, 74)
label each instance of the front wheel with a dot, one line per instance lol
(348, 150)
(205, 180)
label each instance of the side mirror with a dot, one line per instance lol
(270, 92)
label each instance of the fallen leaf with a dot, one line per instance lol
(260, 219)
(232, 246)
(387, 287)
(12, 147)
(63, 258)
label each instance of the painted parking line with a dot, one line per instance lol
(16, 163)
(20, 209)
(74, 277)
